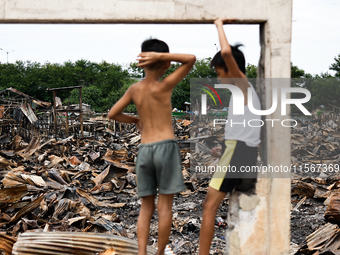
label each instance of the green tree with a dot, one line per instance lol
(181, 92)
(91, 95)
(135, 71)
(251, 71)
(34, 79)
(325, 91)
(115, 95)
(295, 72)
(336, 66)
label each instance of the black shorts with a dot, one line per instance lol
(234, 166)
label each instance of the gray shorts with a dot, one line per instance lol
(159, 168)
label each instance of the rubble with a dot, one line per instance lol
(86, 187)
(6, 244)
(315, 185)
(18, 115)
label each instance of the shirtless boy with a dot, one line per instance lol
(158, 165)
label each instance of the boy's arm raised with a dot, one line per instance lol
(226, 50)
(116, 112)
(229, 60)
(187, 60)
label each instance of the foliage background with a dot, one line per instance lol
(104, 83)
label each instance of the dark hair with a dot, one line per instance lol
(218, 61)
(154, 45)
(157, 46)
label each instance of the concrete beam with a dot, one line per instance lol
(131, 11)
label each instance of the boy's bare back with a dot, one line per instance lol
(153, 104)
(153, 97)
(158, 166)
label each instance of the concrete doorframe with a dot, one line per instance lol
(260, 227)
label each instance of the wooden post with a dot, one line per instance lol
(67, 124)
(55, 113)
(81, 113)
(68, 107)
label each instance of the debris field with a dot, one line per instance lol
(86, 186)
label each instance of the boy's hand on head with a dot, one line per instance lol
(148, 58)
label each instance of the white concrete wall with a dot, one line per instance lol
(259, 224)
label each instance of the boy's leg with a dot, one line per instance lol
(143, 226)
(164, 208)
(210, 206)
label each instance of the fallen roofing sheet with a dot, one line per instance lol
(67, 243)
(27, 110)
(6, 244)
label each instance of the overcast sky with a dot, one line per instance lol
(315, 39)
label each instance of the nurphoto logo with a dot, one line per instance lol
(237, 107)
(238, 99)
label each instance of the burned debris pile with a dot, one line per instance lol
(22, 114)
(315, 213)
(66, 185)
(85, 185)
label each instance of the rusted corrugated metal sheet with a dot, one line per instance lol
(323, 236)
(41, 103)
(27, 208)
(13, 194)
(67, 243)
(27, 110)
(6, 244)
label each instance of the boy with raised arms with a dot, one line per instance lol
(158, 167)
(240, 144)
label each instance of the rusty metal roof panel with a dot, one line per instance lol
(74, 243)
(12, 194)
(6, 244)
(27, 110)
(41, 103)
(27, 208)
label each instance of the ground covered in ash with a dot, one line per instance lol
(187, 217)
(306, 219)
(184, 238)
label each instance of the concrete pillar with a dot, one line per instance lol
(258, 224)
